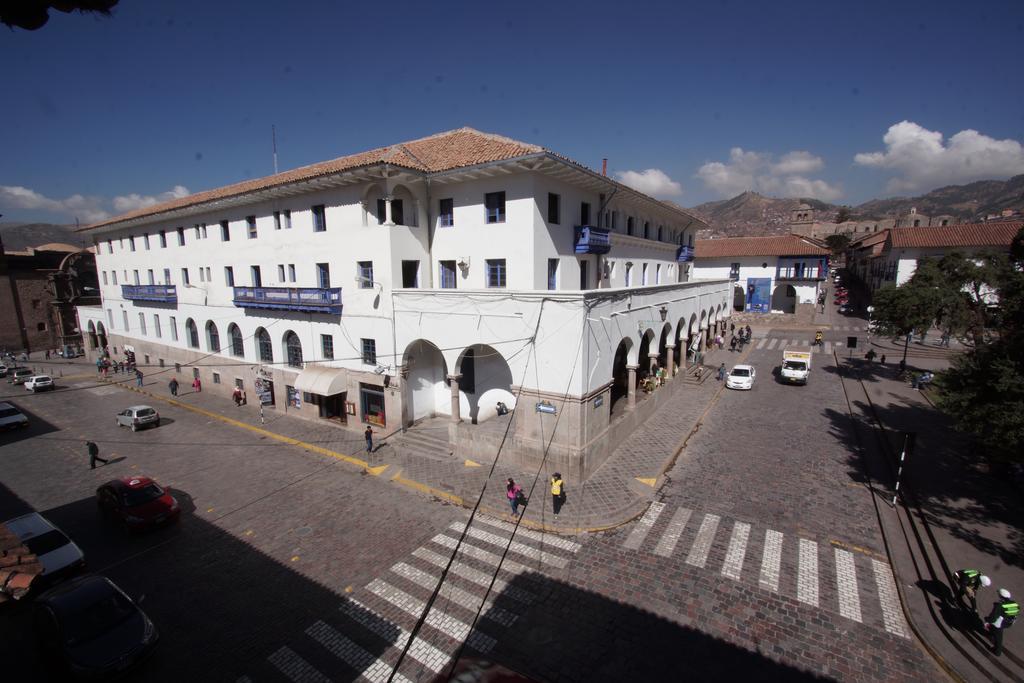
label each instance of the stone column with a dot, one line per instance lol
(387, 211)
(631, 387)
(670, 350)
(653, 356)
(456, 405)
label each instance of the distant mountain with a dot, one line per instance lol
(753, 214)
(21, 236)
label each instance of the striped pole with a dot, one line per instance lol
(908, 445)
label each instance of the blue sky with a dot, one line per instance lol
(689, 101)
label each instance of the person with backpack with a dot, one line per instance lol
(968, 581)
(173, 386)
(514, 493)
(1003, 614)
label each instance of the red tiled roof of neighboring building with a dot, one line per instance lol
(872, 239)
(993, 234)
(777, 245)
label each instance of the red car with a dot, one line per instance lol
(139, 502)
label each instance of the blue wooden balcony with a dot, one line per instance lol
(165, 294)
(307, 299)
(591, 240)
(684, 254)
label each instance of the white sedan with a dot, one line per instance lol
(741, 377)
(58, 554)
(39, 383)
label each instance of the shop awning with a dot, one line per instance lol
(321, 380)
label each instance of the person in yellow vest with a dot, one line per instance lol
(1004, 613)
(557, 492)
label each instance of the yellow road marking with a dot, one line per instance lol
(859, 549)
(295, 558)
(471, 463)
(249, 532)
(649, 481)
(209, 509)
(348, 589)
(424, 488)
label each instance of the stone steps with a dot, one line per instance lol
(428, 443)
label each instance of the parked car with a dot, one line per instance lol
(741, 377)
(11, 417)
(139, 502)
(91, 628)
(3, 370)
(19, 375)
(59, 555)
(137, 417)
(846, 308)
(39, 383)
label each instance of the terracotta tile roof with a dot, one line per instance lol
(777, 245)
(965, 235)
(872, 239)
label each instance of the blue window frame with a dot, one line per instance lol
(552, 273)
(494, 202)
(319, 218)
(496, 272)
(446, 213)
(365, 274)
(447, 274)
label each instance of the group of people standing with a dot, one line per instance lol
(516, 496)
(1004, 610)
(738, 337)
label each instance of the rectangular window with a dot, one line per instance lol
(135, 277)
(629, 274)
(277, 220)
(584, 213)
(202, 230)
(163, 239)
(643, 275)
(410, 274)
(291, 272)
(494, 203)
(327, 346)
(657, 274)
(225, 232)
(216, 378)
(104, 277)
(382, 211)
(195, 228)
(110, 246)
(146, 357)
(552, 273)
(319, 218)
(734, 271)
(181, 237)
(202, 274)
(131, 242)
(365, 272)
(113, 275)
(554, 208)
(447, 274)
(184, 277)
(584, 274)
(496, 272)
(173, 324)
(156, 325)
(369, 351)
(124, 318)
(446, 213)
(142, 322)
(145, 240)
(323, 275)
(280, 272)
(250, 226)
(287, 219)
(167, 276)
(149, 277)
(255, 276)
(229, 276)
(110, 318)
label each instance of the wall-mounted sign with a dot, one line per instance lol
(598, 402)
(264, 373)
(546, 407)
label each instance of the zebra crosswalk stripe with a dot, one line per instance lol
(294, 667)
(737, 550)
(667, 542)
(520, 548)
(892, 617)
(828, 347)
(511, 566)
(705, 536)
(460, 597)
(772, 343)
(643, 527)
(482, 579)
(846, 583)
(771, 560)
(807, 573)
(761, 343)
(423, 652)
(547, 539)
(369, 667)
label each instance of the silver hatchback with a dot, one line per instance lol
(137, 417)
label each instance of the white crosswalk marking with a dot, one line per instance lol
(351, 653)
(508, 565)
(295, 668)
(772, 343)
(846, 583)
(761, 343)
(667, 543)
(423, 652)
(547, 539)
(520, 548)
(454, 594)
(482, 579)
(892, 616)
(705, 536)
(771, 560)
(828, 347)
(643, 527)
(437, 619)
(807, 573)
(733, 565)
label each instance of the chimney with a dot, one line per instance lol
(604, 166)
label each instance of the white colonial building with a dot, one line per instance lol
(769, 274)
(456, 275)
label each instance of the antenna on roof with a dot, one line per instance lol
(273, 140)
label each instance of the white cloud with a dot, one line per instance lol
(925, 162)
(747, 170)
(653, 181)
(86, 209)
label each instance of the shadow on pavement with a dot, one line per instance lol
(37, 426)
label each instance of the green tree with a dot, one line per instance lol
(843, 215)
(838, 243)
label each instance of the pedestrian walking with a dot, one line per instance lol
(870, 355)
(732, 344)
(1003, 614)
(368, 435)
(138, 377)
(116, 368)
(557, 492)
(173, 386)
(882, 359)
(197, 386)
(719, 342)
(514, 493)
(94, 454)
(721, 372)
(47, 354)
(968, 581)
(732, 328)
(747, 328)
(236, 396)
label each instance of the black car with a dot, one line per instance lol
(92, 628)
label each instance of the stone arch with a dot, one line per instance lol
(235, 341)
(620, 371)
(486, 380)
(93, 339)
(425, 388)
(212, 337)
(191, 334)
(264, 346)
(784, 298)
(666, 336)
(292, 349)
(643, 359)
(101, 336)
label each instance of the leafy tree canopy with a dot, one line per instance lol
(838, 243)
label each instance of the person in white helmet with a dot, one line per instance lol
(968, 582)
(1004, 613)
